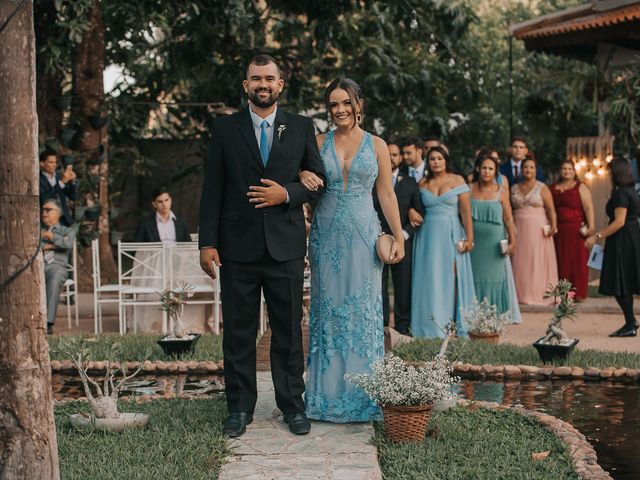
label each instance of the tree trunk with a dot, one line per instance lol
(28, 446)
(88, 72)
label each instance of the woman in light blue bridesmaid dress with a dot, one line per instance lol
(442, 280)
(345, 321)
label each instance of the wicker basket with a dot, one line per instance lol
(406, 423)
(485, 337)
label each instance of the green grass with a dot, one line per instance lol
(478, 445)
(133, 347)
(479, 353)
(182, 441)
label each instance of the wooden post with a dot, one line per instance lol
(28, 446)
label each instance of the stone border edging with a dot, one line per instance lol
(157, 366)
(583, 455)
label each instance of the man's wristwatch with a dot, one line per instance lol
(598, 236)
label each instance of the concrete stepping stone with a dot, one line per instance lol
(268, 451)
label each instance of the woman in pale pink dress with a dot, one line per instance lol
(534, 260)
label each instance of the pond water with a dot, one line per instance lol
(608, 414)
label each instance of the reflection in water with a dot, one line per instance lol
(607, 414)
(70, 386)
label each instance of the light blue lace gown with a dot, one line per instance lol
(442, 278)
(345, 323)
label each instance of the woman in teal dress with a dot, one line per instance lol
(442, 280)
(492, 224)
(345, 319)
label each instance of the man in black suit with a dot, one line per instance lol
(56, 186)
(163, 225)
(252, 226)
(513, 168)
(408, 196)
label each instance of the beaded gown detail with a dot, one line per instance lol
(345, 320)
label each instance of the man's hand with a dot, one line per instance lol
(415, 219)
(47, 235)
(68, 175)
(269, 196)
(209, 256)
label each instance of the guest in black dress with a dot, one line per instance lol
(620, 275)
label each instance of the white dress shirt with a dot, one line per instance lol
(167, 229)
(417, 172)
(52, 180)
(257, 121)
(515, 164)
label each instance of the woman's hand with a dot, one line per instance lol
(310, 180)
(467, 246)
(590, 241)
(510, 248)
(415, 219)
(397, 250)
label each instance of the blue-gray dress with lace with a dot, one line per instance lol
(345, 323)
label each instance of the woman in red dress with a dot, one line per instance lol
(574, 208)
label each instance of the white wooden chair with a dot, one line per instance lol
(142, 275)
(101, 293)
(184, 267)
(69, 290)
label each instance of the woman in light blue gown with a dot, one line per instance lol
(345, 321)
(442, 280)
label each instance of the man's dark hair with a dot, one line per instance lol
(46, 153)
(263, 59)
(159, 191)
(415, 141)
(432, 139)
(520, 139)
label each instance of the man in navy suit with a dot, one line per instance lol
(56, 186)
(408, 195)
(513, 168)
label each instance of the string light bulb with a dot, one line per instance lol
(601, 171)
(583, 162)
(596, 162)
(609, 158)
(588, 175)
(578, 167)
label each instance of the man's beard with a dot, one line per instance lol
(264, 103)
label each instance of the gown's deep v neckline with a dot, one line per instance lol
(345, 183)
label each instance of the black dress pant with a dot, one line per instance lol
(401, 278)
(240, 284)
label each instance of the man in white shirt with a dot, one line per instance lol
(412, 158)
(163, 225)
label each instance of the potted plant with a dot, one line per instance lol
(104, 403)
(177, 342)
(406, 394)
(483, 322)
(556, 344)
(98, 121)
(62, 102)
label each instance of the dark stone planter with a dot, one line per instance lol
(176, 347)
(63, 102)
(97, 122)
(68, 160)
(66, 136)
(549, 353)
(92, 213)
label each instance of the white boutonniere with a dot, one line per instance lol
(281, 129)
(399, 179)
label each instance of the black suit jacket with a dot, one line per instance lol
(60, 194)
(408, 196)
(507, 170)
(241, 232)
(148, 230)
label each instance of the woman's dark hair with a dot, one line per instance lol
(355, 95)
(621, 173)
(480, 160)
(444, 154)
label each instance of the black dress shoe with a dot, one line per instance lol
(236, 424)
(404, 331)
(298, 423)
(624, 332)
(49, 328)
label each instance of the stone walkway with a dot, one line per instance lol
(268, 451)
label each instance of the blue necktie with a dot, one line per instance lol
(414, 173)
(264, 142)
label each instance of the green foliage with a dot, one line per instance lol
(625, 106)
(481, 444)
(182, 441)
(480, 353)
(136, 347)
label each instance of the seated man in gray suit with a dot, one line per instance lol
(56, 243)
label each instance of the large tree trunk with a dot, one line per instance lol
(88, 72)
(28, 447)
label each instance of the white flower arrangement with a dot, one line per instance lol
(483, 317)
(393, 382)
